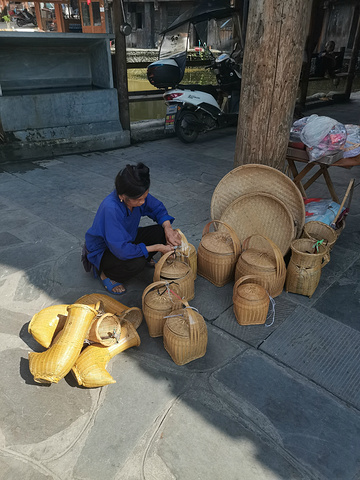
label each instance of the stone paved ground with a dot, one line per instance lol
(264, 403)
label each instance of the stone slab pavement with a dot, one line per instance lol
(278, 402)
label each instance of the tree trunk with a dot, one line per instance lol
(276, 32)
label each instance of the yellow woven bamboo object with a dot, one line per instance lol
(218, 253)
(43, 324)
(158, 301)
(266, 266)
(110, 305)
(185, 335)
(90, 367)
(320, 231)
(105, 329)
(304, 269)
(251, 301)
(177, 273)
(53, 364)
(188, 253)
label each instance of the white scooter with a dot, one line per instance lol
(192, 109)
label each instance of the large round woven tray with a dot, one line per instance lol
(253, 178)
(263, 214)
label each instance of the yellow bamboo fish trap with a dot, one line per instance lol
(185, 335)
(265, 264)
(105, 329)
(251, 301)
(218, 253)
(56, 362)
(188, 253)
(320, 231)
(44, 324)
(158, 300)
(177, 273)
(90, 367)
(110, 305)
(304, 269)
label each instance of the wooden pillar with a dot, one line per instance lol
(275, 38)
(120, 66)
(59, 17)
(353, 60)
(38, 16)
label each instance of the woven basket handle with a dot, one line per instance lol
(279, 259)
(326, 259)
(160, 264)
(194, 328)
(242, 279)
(151, 286)
(234, 237)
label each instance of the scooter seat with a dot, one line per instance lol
(211, 89)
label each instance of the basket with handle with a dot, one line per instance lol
(172, 270)
(267, 266)
(218, 253)
(251, 301)
(185, 335)
(320, 231)
(158, 300)
(304, 269)
(105, 329)
(188, 253)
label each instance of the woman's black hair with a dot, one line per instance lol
(133, 180)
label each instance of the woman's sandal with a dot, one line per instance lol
(109, 285)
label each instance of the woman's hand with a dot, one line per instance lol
(159, 247)
(173, 238)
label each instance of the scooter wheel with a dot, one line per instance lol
(20, 23)
(183, 129)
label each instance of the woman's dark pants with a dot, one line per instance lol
(121, 270)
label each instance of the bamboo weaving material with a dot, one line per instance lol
(188, 253)
(304, 269)
(320, 231)
(185, 335)
(177, 273)
(251, 301)
(267, 266)
(43, 324)
(218, 253)
(158, 301)
(90, 367)
(53, 364)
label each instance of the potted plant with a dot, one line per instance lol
(7, 19)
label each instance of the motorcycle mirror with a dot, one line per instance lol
(125, 29)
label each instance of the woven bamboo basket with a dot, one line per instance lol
(304, 269)
(177, 273)
(158, 301)
(188, 253)
(218, 253)
(320, 231)
(251, 301)
(185, 335)
(90, 367)
(56, 362)
(105, 329)
(268, 267)
(109, 304)
(44, 324)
